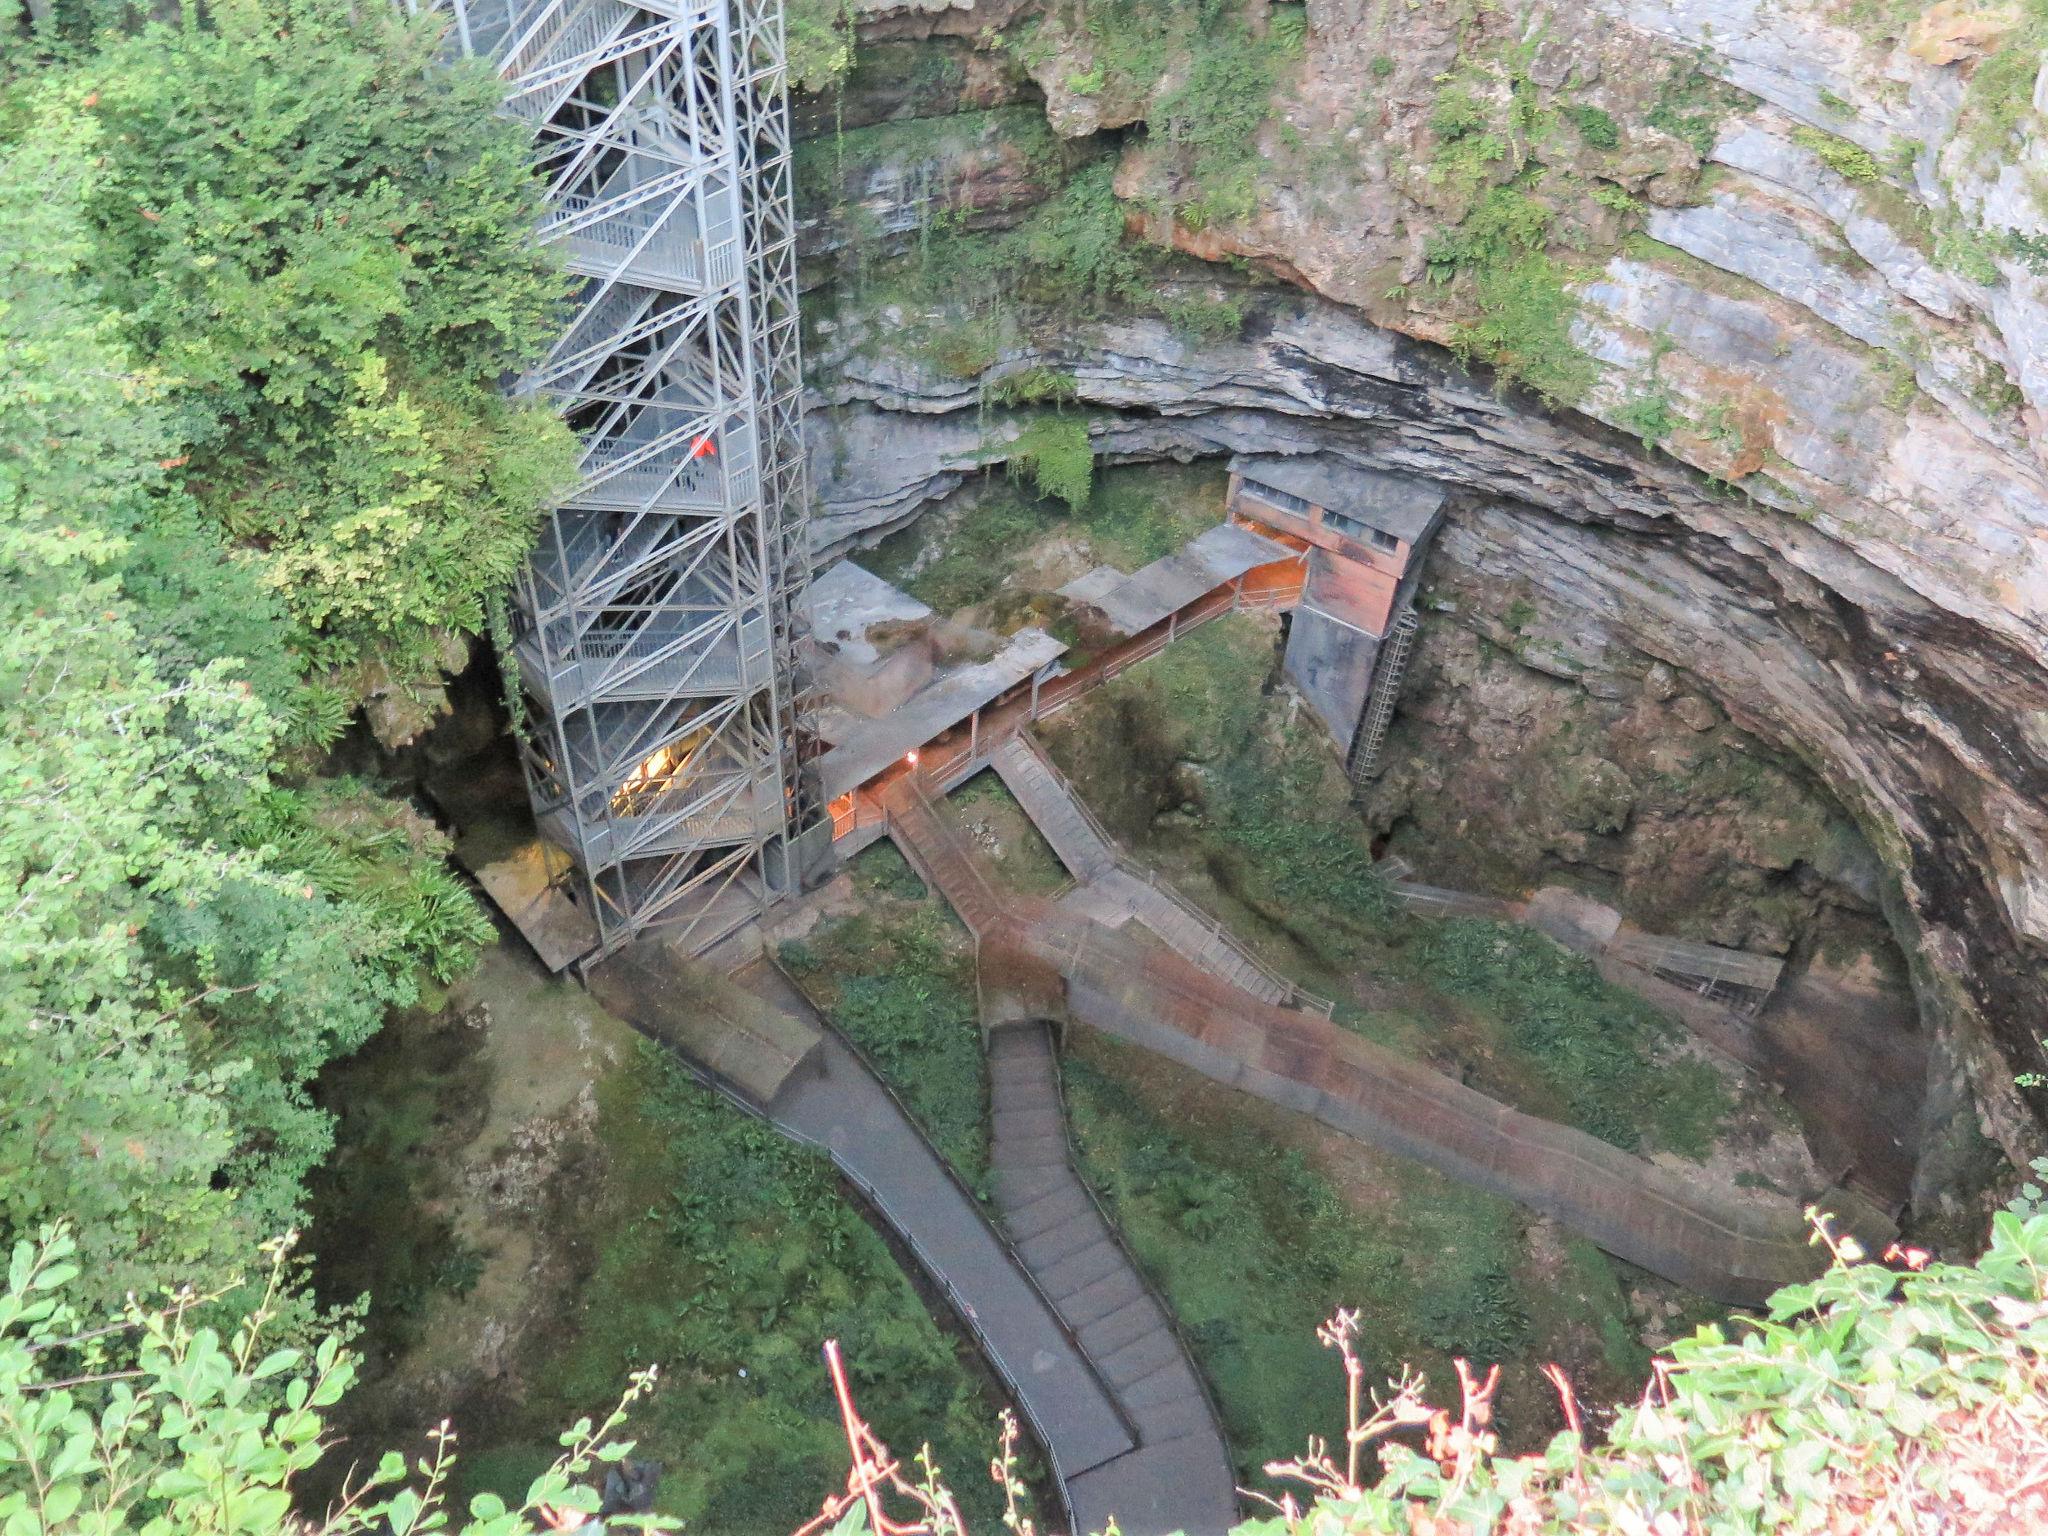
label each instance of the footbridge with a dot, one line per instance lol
(1156, 997)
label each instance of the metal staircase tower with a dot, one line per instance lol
(652, 630)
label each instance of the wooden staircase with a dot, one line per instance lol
(1064, 1239)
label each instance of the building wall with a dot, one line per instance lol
(1329, 660)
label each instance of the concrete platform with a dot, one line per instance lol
(560, 932)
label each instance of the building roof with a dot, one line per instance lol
(1402, 505)
(863, 748)
(1138, 601)
(847, 600)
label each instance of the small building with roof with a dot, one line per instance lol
(1366, 532)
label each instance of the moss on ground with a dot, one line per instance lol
(727, 1254)
(1256, 1228)
(958, 555)
(897, 977)
(997, 825)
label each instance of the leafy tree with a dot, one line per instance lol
(186, 941)
(144, 1421)
(321, 242)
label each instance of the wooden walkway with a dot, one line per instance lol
(1737, 1251)
(1179, 1477)
(1114, 888)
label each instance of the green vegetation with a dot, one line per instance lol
(1223, 74)
(1596, 126)
(1852, 162)
(1999, 98)
(1525, 308)
(819, 40)
(1054, 451)
(898, 979)
(1496, 249)
(1009, 839)
(1601, 1050)
(997, 525)
(1250, 1234)
(252, 455)
(1868, 1389)
(1690, 106)
(957, 557)
(729, 1253)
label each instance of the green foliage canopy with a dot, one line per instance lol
(245, 428)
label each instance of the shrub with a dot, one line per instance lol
(1055, 452)
(1851, 162)
(1595, 126)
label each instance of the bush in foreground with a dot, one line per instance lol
(1873, 1399)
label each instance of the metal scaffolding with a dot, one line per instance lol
(653, 628)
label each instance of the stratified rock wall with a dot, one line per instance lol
(1841, 538)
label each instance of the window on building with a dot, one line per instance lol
(1273, 496)
(1352, 528)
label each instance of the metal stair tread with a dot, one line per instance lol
(1007, 1125)
(1169, 1383)
(1133, 1362)
(1020, 1186)
(1046, 1212)
(1100, 1298)
(1173, 1418)
(1035, 1152)
(1115, 1329)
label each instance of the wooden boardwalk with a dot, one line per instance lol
(1737, 1251)
(1115, 888)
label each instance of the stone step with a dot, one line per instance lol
(1140, 1358)
(1007, 1125)
(1018, 1042)
(1032, 1152)
(1017, 1187)
(1016, 1089)
(1170, 1420)
(1108, 1334)
(1100, 1298)
(1043, 1252)
(1046, 1212)
(1171, 1383)
(1077, 1271)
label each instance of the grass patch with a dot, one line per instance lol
(726, 1253)
(957, 555)
(1600, 1049)
(981, 538)
(994, 820)
(1852, 162)
(1139, 513)
(898, 979)
(1254, 1240)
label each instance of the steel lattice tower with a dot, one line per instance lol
(653, 629)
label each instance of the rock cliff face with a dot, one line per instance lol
(1775, 271)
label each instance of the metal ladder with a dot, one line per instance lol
(1379, 709)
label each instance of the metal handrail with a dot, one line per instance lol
(960, 1183)
(726, 1089)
